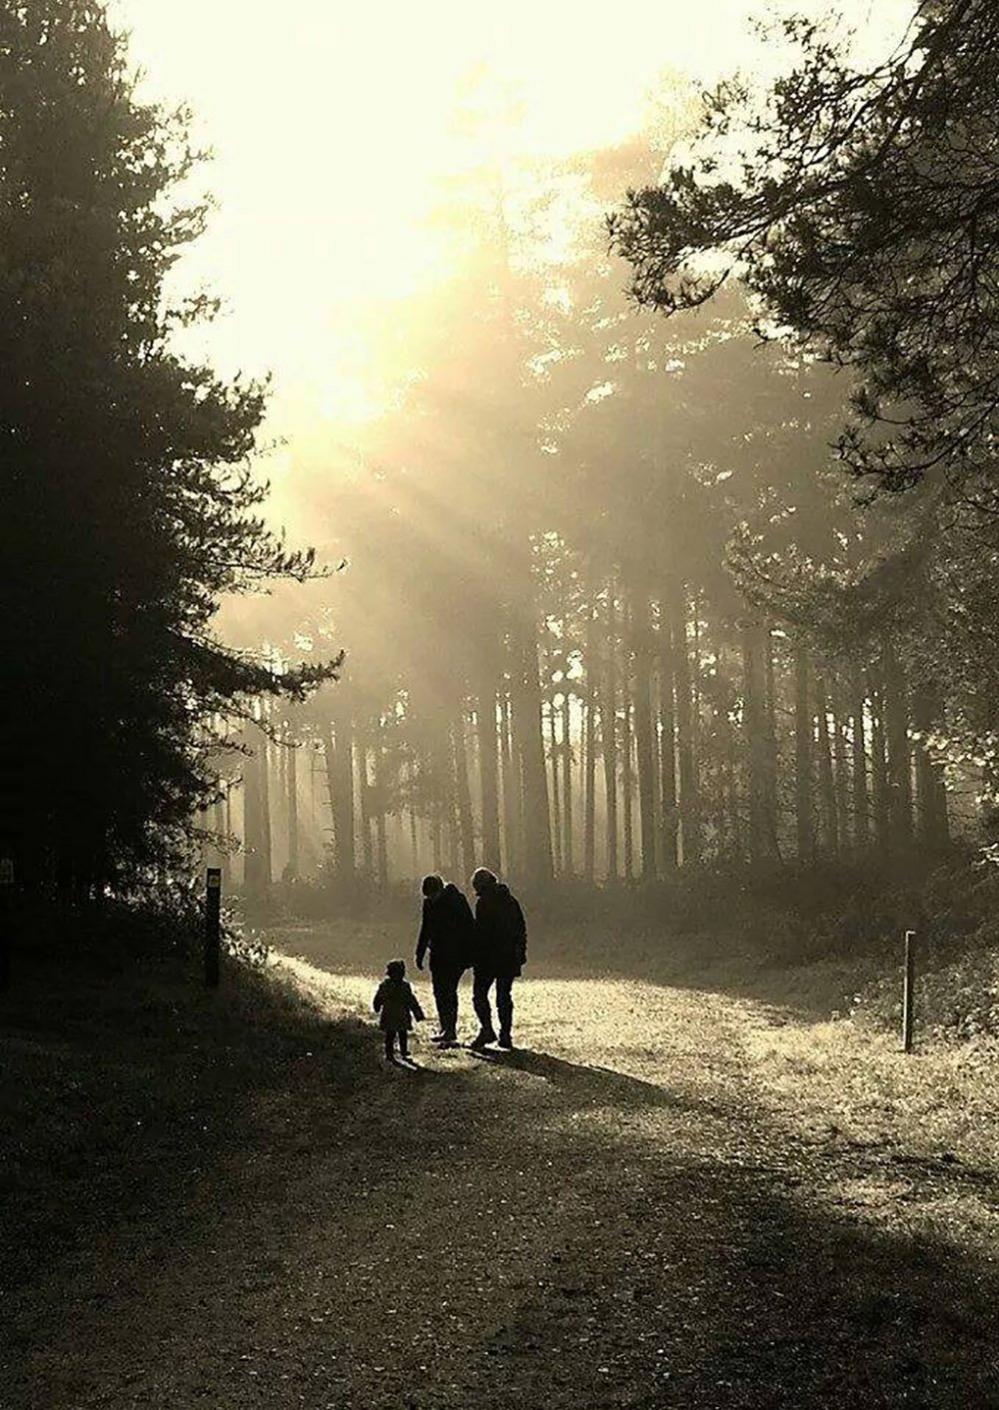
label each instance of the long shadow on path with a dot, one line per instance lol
(590, 1084)
(726, 1277)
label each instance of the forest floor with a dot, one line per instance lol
(668, 1195)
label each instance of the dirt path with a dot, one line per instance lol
(647, 1205)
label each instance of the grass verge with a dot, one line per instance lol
(126, 1082)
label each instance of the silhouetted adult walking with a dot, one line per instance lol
(447, 932)
(500, 955)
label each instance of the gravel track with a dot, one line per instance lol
(625, 1212)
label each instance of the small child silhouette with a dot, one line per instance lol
(398, 1006)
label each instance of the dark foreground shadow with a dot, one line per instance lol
(713, 1288)
(732, 1279)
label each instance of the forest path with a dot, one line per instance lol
(648, 1204)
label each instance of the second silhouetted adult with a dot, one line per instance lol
(500, 955)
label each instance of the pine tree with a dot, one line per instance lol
(129, 507)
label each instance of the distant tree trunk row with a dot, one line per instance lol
(633, 737)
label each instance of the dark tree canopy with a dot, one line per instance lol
(864, 213)
(130, 506)
(861, 209)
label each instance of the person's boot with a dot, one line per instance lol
(485, 1037)
(505, 1039)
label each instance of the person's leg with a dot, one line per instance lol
(403, 1043)
(504, 1007)
(449, 1015)
(389, 1046)
(438, 979)
(483, 1010)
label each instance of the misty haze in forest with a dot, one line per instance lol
(577, 542)
(499, 747)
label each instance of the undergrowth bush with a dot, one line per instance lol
(162, 921)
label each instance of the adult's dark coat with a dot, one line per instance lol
(447, 931)
(500, 934)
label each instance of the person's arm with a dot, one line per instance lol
(520, 931)
(414, 1007)
(485, 925)
(378, 1000)
(424, 939)
(467, 923)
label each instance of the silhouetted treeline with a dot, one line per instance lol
(676, 740)
(127, 506)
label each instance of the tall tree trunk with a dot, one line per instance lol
(485, 718)
(589, 749)
(899, 749)
(527, 729)
(609, 734)
(447, 800)
(770, 754)
(330, 760)
(465, 817)
(879, 765)
(803, 815)
(931, 789)
(381, 804)
(511, 792)
(627, 747)
(752, 710)
(858, 747)
(689, 803)
(841, 770)
(667, 745)
(340, 780)
(645, 759)
(279, 800)
(568, 830)
(827, 786)
(254, 883)
(437, 842)
(695, 680)
(732, 806)
(414, 842)
(554, 752)
(291, 785)
(266, 831)
(761, 824)
(364, 795)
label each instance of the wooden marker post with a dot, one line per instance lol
(6, 917)
(213, 926)
(908, 990)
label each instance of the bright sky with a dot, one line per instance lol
(329, 125)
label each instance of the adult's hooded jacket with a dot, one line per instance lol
(447, 931)
(500, 933)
